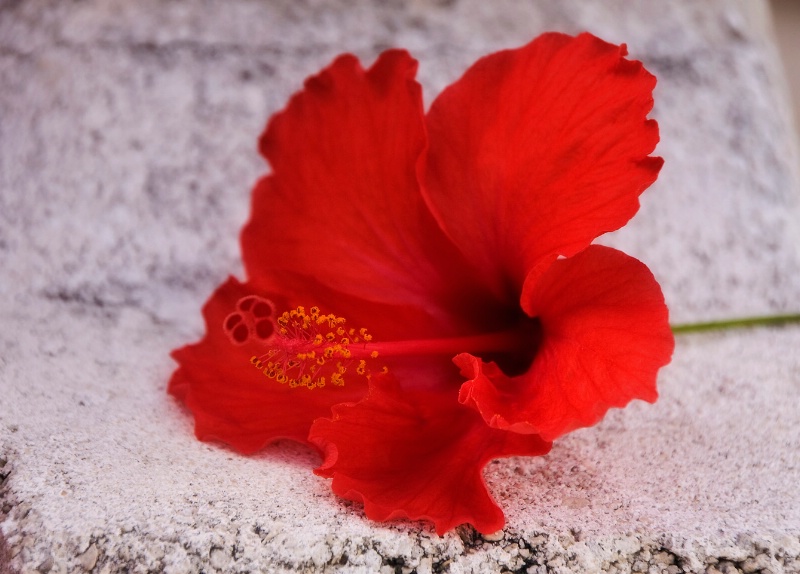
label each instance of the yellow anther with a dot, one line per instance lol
(385, 370)
(303, 352)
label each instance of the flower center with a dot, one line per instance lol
(312, 349)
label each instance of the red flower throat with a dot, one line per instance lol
(481, 322)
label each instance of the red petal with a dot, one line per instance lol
(605, 334)
(535, 152)
(232, 401)
(342, 214)
(416, 454)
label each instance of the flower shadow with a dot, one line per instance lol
(289, 453)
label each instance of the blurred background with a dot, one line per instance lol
(787, 26)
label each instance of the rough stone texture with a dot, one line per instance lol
(127, 136)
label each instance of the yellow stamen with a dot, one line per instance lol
(291, 357)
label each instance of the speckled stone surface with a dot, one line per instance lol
(127, 151)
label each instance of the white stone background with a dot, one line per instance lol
(127, 151)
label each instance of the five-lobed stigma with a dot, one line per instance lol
(303, 349)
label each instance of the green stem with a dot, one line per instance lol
(736, 323)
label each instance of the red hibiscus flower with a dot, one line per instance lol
(422, 294)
